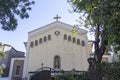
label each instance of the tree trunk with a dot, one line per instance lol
(94, 72)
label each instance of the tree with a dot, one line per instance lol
(103, 16)
(2, 54)
(10, 9)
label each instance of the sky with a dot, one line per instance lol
(42, 13)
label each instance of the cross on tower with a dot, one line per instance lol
(57, 17)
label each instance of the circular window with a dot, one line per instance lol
(57, 33)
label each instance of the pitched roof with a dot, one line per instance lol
(56, 24)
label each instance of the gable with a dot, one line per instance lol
(56, 24)
(61, 42)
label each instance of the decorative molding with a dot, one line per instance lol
(56, 24)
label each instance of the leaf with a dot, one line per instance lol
(74, 1)
(0, 44)
(11, 9)
(1, 70)
(75, 31)
(2, 54)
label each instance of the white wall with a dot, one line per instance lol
(72, 55)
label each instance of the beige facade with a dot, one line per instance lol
(16, 69)
(49, 41)
(90, 47)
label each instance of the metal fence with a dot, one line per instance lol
(46, 73)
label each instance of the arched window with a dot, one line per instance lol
(78, 41)
(69, 38)
(49, 37)
(31, 44)
(40, 40)
(45, 39)
(83, 43)
(74, 40)
(57, 62)
(65, 37)
(36, 42)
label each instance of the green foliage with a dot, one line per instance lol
(105, 13)
(75, 31)
(2, 54)
(110, 71)
(1, 70)
(10, 9)
(71, 76)
(0, 44)
(104, 17)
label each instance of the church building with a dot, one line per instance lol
(55, 46)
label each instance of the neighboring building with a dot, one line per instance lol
(90, 47)
(6, 61)
(116, 56)
(55, 46)
(107, 57)
(16, 69)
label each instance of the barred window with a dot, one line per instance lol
(65, 37)
(40, 40)
(36, 42)
(31, 44)
(78, 41)
(45, 39)
(74, 40)
(83, 43)
(49, 37)
(69, 38)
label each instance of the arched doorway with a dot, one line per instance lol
(57, 62)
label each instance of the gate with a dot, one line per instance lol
(42, 74)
